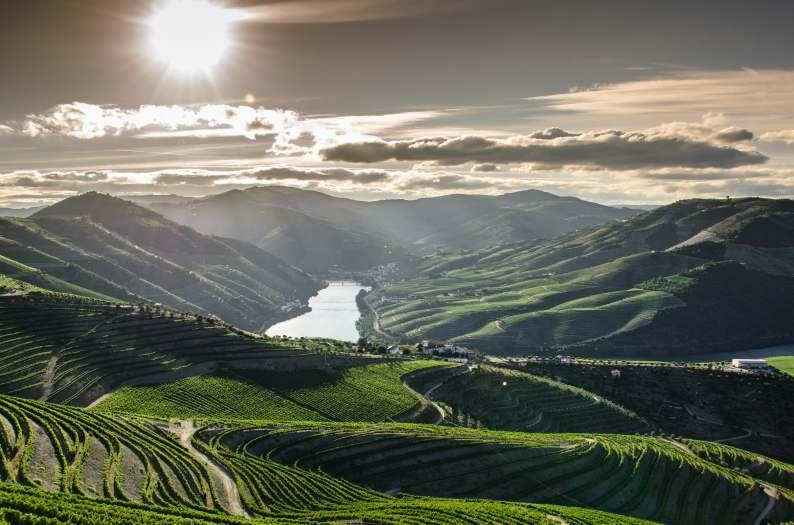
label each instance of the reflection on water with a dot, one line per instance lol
(333, 314)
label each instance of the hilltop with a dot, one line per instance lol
(696, 276)
(106, 247)
(317, 231)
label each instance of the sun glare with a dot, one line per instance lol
(191, 35)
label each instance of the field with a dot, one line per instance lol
(783, 363)
(145, 468)
(360, 393)
(508, 400)
(645, 477)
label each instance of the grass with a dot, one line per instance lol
(783, 363)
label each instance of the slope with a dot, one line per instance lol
(111, 247)
(633, 287)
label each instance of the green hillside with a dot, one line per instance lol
(503, 399)
(103, 246)
(645, 477)
(360, 393)
(666, 282)
(73, 351)
(161, 472)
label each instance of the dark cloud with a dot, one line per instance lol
(484, 168)
(76, 176)
(552, 133)
(614, 150)
(276, 173)
(445, 182)
(731, 135)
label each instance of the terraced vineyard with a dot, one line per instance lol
(141, 465)
(359, 393)
(640, 476)
(74, 351)
(503, 399)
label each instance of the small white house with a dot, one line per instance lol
(394, 350)
(749, 364)
(615, 372)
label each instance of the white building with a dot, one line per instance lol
(394, 350)
(749, 363)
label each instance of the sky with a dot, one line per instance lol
(615, 101)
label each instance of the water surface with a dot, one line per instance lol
(333, 314)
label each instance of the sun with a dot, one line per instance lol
(191, 35)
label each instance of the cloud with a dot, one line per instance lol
(484, 168)
(276, 173)
(757, 98)
(673, 145)
(445, 182)
(292, 132)
(335, 11)
(785, 135)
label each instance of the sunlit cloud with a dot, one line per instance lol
(83, 121)
(759, 98)
(334, 11)
(785, 135)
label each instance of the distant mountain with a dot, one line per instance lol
(170, 198)
(317, 231)
(20, 212)
(693, 277)
(99, 245)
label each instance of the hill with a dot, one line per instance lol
(694, 277)
(318, 232)
(148, 373)
(313, 473)
(105, 247)
(706, 402)
(502, 399)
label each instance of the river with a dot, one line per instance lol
(333, 314)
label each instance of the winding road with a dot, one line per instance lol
(185, 431)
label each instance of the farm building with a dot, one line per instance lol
(749, 363)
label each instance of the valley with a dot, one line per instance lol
(119, 406)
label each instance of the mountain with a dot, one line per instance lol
(20, 212)
(318, 232)
(106, 247)
(694, 277)
(308, 229)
